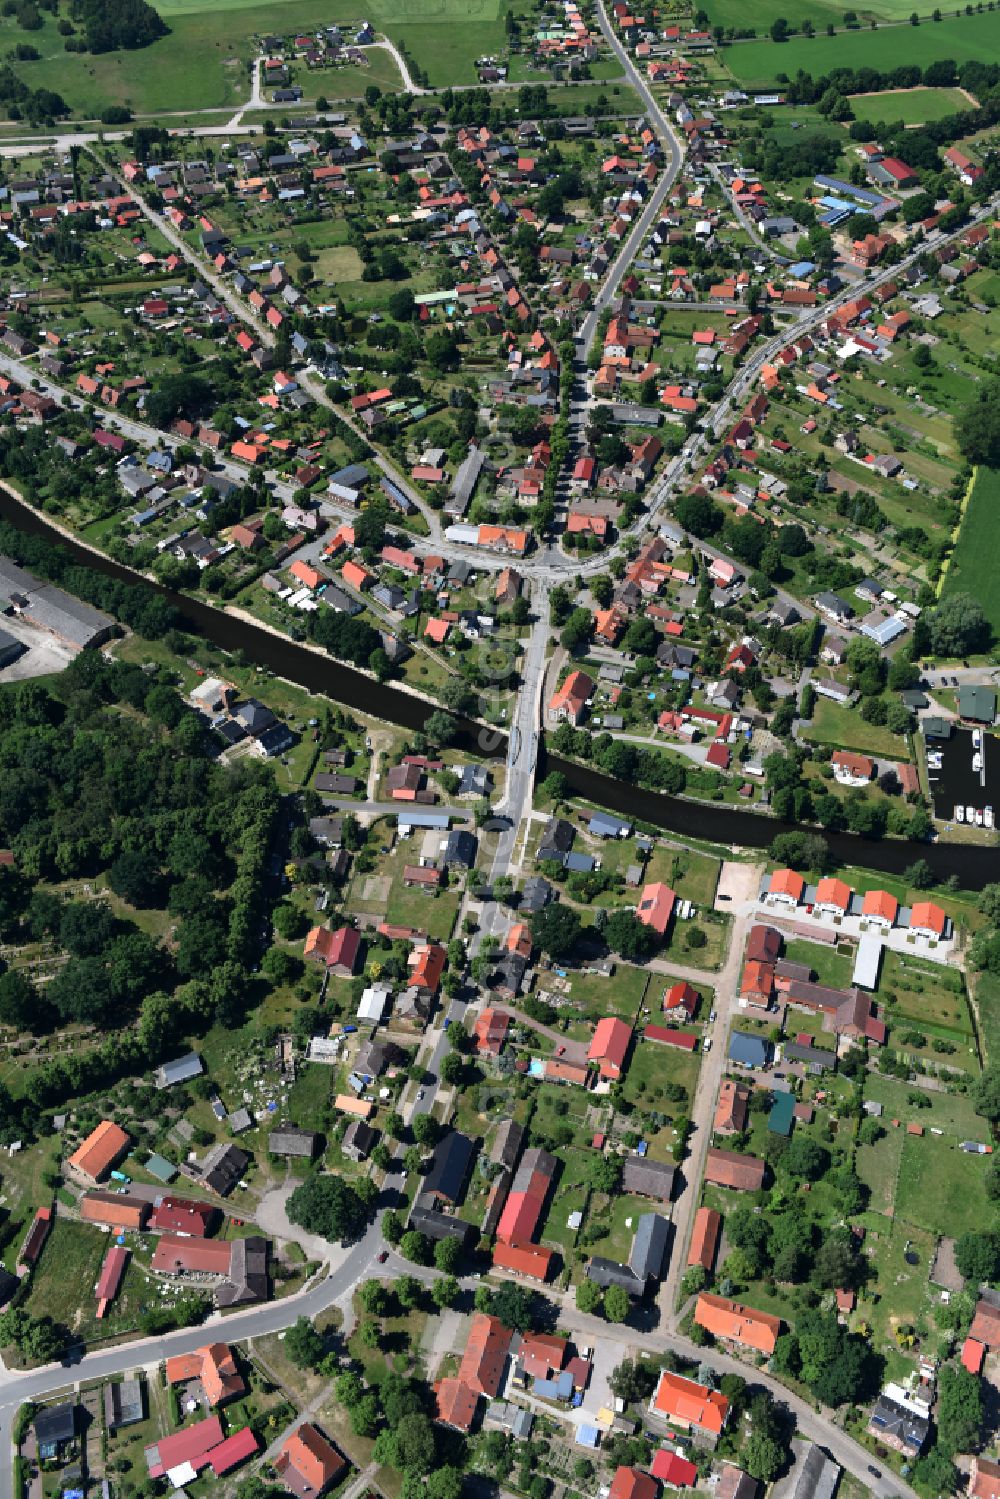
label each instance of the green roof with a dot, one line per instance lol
(978, 703)
(161, 1168)
(779, 1121)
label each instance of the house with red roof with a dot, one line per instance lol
(569, 701)
(308, 1464)
(734, 1323)
(675, 1471)
(338, 950)
(880, 909)
(928, 920)
(656, 907)
(633, 1483)
(609, 1047)
(832, 897)
(491, 1032)
(480, 1372)
(785, 888)
(682, 996)
(689, 1404)
(528, 1196)
(705, 1238)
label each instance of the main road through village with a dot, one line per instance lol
(349, 1266)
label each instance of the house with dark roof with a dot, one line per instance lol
(450, 1168)
(290, 1140)
(645, 1178)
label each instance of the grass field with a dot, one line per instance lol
(974, 562)
(843, 728)
(820, 12)
(914, 106)
(959, 37)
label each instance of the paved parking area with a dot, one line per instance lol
(43, 657)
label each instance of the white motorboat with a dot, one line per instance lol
(977, 762)
(970, 814)
(959, 814)
(979, 818)
(988, 816)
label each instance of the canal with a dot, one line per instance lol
(726, 825)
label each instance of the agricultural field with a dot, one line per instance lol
(962, 38)
(974, 562)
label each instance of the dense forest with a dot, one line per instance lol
(109, 773)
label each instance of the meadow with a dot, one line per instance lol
(203, 62)
(820, 12)
(959, 37)
(913, 106)
(974, 562)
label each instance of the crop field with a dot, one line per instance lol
(914, 106)
(974, 562)
(959, 37)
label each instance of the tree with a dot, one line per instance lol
(978, 426)
(445, 1291)
(985, 1093)
(415, 1247)
(698, 514)
(440, 728)
(135, 876)
(374, 1298)
(588, 1297)
(514, 1305)
(448, 1255)
(330, 1207)
(958, 626)
(763, 1457)
(806, 1158)
(414, 1439)
(779, 29)
(977, 1256)
(426, 1130)
(617, 1304)
(555, 930)
(303, 1344)
(630, 938)
(959, 1410)
(633, 1380)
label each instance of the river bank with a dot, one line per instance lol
(307, 667)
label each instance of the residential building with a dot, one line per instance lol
(308, 1464)
(734, 1323)
(103, 1148)
(690, 1405)
(725, 1168)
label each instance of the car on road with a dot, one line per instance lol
(875, 1472)
(725, 897)
(420, 1095)
(383, 1256)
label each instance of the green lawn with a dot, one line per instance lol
(844, 728)
(925, 992)
(987, 999)
(914, 106)
(940, 1187)
(62, 1286)
(830, 966)
(651, 1067)
(974, 562)
(959, 37)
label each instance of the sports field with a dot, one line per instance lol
(958, 37)
(914, 106)
(976, 559)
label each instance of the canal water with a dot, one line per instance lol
(732, 826)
